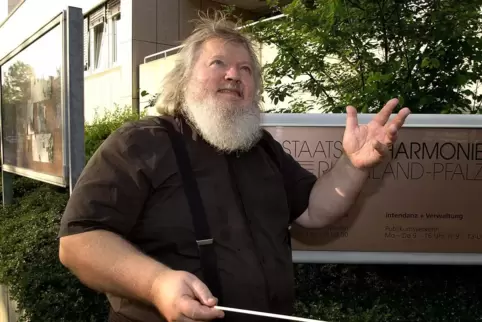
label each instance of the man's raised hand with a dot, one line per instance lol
(367, 145)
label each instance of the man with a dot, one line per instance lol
(129, 231)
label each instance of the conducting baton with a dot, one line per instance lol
(270, 315)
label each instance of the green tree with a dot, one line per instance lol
(16, 82)
(363, 52)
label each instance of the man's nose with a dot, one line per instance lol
(232, 74)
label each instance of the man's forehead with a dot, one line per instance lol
(220, 47)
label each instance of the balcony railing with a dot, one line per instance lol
(174, 50)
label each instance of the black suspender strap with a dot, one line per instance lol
(204, 238)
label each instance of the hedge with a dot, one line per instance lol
(47, 292)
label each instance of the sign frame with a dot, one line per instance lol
(429, 121)
(70, 21)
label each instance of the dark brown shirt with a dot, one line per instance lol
(132, 187)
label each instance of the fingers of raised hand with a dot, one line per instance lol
(382, 143)
(382, 117)
(400, 118)
(381, 148)
(391, 134)
(351, 118)
(395, 125)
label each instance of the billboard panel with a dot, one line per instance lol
(32, 108)
(41, 99)
(425, 199)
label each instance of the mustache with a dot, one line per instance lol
(233, 86)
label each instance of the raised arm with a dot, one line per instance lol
(364, 147)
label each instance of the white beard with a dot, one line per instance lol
(228, 126)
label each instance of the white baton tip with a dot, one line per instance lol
(270, 315)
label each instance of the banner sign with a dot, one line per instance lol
(425, 198)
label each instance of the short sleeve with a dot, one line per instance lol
(298, 181)
(113, 187)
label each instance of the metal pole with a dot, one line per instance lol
(7, 178)
(74, 108)
(7, 188)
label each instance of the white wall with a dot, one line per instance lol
(3, 10)
(6, 7)
(37, 14)
(103, 92)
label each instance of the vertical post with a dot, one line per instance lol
(7, 178)
(7, 188)
(74, 109)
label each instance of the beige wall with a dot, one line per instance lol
(7, 306)
(151, 75)
(12, 4)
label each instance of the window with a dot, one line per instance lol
(86, 44)
(98, 42)
(97, 20)
(115, 38)
(102, 41)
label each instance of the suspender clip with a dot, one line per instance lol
(203, 242)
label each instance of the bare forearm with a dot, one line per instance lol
(107, 263)
(335, 192)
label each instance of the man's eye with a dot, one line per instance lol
(246, 68)
(217, 62)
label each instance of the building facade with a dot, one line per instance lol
(118, 35)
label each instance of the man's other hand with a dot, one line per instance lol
(181, 296)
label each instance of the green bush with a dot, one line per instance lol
(105, 124)
(43, 288)
(376, 293)
(47, 292)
